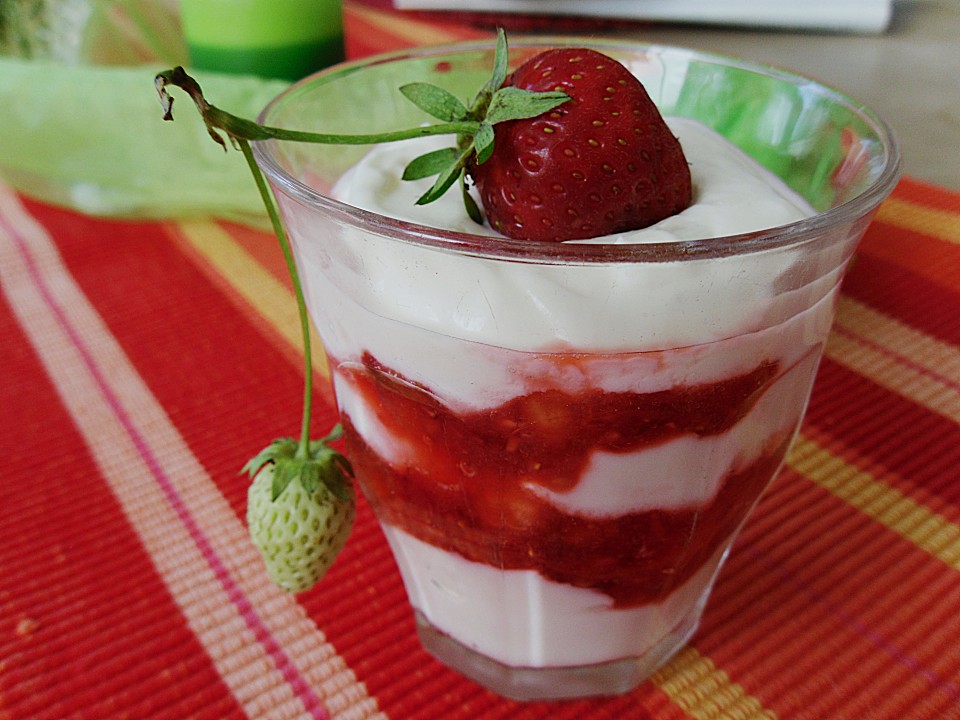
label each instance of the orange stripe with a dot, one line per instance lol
(854, 457)
(658, 704)
(370, 31)
(412, 31)
(930, 354)
(928, 530)
(943, 224)
(257, 291)
(270, 333)
(936, 393)
(868, 344)
(926, 195)
(929, 257)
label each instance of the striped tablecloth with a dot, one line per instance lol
(144, 362)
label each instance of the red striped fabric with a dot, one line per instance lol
(144, 362)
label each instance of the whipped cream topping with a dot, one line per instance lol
(733, 194)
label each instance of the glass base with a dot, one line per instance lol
(555, 683)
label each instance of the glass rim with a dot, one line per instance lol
(590, 251)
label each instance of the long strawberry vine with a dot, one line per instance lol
(318, 468)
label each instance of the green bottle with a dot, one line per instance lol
(286, 39)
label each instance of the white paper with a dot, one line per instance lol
(861, 16)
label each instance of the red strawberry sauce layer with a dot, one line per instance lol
(469, 490)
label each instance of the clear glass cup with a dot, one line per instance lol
(561, 441)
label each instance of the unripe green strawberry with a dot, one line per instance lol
(298, 534)
(299, 511)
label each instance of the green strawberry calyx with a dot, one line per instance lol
(471, 124)
(323, 467)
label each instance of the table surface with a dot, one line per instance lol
(128, 588)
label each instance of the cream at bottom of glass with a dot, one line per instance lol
(521, 619)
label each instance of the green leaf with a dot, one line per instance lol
(323, 465)
(282, 475)
(500, 64)
(344, 464)
(430, 163)
(310, 477)
(512, 103)
(278, 449)
(500, 59)
(448, 176)
(336, 432)
(483, 142)
(469, 203)
(434, 101)
(333, 481)
(444, 182)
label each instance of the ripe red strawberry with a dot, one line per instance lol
(602, 163)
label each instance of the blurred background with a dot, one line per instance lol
(81, 126)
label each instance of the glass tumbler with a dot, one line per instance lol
(561, 441)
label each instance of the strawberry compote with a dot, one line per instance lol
(474, 483)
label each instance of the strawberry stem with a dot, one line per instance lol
(238, 128)
(241, 128)
(303, 446)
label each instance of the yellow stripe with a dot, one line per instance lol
(892, 373)
(928, 530)
(908, 216)
(937, 357)
(406, 29)
(902, 359)
(705, 692)
(256, 285)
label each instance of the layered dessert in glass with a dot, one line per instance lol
(562, 440)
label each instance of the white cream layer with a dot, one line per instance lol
(521, 619)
